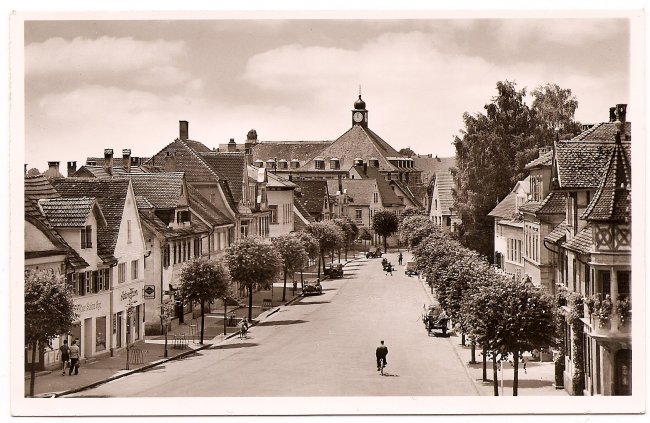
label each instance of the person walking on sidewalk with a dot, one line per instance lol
(381, 352)
(64, 353)
(74, 358)
(400, 259)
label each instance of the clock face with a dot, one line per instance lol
(358, 117)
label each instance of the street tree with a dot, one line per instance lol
(49, 312)
(312, 249)
(412, 229)
(365, 234)
(253, 263)
(385, 223)
(293, 254)
(329, 237)
(350, 233)
(202, 281)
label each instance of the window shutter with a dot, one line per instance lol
(95, 281)
(83, 238)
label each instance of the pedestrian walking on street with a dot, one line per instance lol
(74, 358)
(400, 258)
(389, 269)
(381, 352)
(64, 353)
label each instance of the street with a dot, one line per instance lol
(321, 346)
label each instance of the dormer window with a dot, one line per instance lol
(295, 164)
(270, 163)
(334, 163)
(283, 164)
(258, 163)
(319, 163)
(183, 216)
(358, 162)
(373, 162)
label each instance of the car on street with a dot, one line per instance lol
(334, 270)
(410, 269)
(312, 289)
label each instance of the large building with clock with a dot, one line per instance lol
(358, 146)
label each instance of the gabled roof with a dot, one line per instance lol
(188, 159)
(414, 193)
(302, 212)
(359, 191)
(161, 190)
(303, 151)
(155, 224)
(358, 142)
(432, 165)
(605, 131)
(582, 242)
(388, 196)
(87, 171)
(543, 160)
(38, 187)
(613, 199)
(558, 234)
(530, 206)
(229, 166)
(311, 194)
(205, 209)
(507, 208)
(277, 181)
(445, 183)
(554, 203)
(69, 212)
(111, 195)
(580, 164)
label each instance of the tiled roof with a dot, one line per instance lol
(530, 206)
(111, 195)
(558, 234)
(359, 191)
(582, 242)
(419, 193)
(188, 159)
(605, 131)
(613, 199)
(207, 210)
(358, 142)
(432, 165)
(507, 208)
(311, 194)
(117, 161)
(155, 224)
(277, 181)
(554, 203)
(230, 167)
(38, 187)
(161, 190)
(67, 212)
(303, 151)
(544, 160)
(143, 203)
(35, 217)
(87, 171)
(411, 192)
(581, 164)
(445, 184)
(300, 209)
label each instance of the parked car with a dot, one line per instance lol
(410, 269)
(334, 270)
(374, 254)
(312, 288)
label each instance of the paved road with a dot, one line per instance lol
(321, 346)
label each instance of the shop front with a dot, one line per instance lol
(128, 315)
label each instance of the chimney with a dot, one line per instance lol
(108, 161)
(232, 147)
(621, 112)
(126, 160)
(430, 155)
(52, 171)
(612, 114)
(184, 129)
(72, 168)
(365, 168)
(170, 162)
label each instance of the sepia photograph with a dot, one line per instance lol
(327, 213)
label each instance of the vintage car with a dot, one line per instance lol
(433, 318)
(374, 254)
(410, 269)
(312, 288)
(334, 270)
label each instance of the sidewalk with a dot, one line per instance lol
(537, 379)
(150, 351)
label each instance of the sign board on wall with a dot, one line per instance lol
(149, 292)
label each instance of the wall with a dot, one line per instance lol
(283, 199)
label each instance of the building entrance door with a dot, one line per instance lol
(118, 340)
(623, 372)
(87, 349)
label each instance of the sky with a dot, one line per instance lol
(91, 85)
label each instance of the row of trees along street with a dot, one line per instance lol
(251, 263)
(504, 317)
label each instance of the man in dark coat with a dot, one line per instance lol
(381, 353)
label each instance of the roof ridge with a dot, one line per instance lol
(198, 155)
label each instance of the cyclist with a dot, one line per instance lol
(244, 328)
(381, 353)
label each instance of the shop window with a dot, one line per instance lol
(100, 333)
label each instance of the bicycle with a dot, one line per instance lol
(382, 364)
(242, 332)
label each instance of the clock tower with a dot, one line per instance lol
(359, 113)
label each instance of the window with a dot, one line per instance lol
(197, 247)
(358, 213)
(435, 202)
(274, 213)
(604, 282)
(295, 164)
(166, 256)
(71, 280)
(87, 237)
(103, 280)
(282, 164)
(623, 281)
(95, 283)
(100, 333)
(128, 231)
(88, 285)
(319, 164)
(183, 216)
(175, 255)
(134, 269)
(375, 197)
(121, 272)
(335, 164)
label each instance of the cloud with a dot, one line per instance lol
(108, 59)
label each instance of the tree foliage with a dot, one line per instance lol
(555, 108)
(202, 281)
(350, 232)
(293, 254)
(407, 152)
(493, 149)
(385, 223)
(49, 311)
(253, 263)
(414, 228)
(329, 237)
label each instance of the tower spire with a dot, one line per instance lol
(359, 90)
